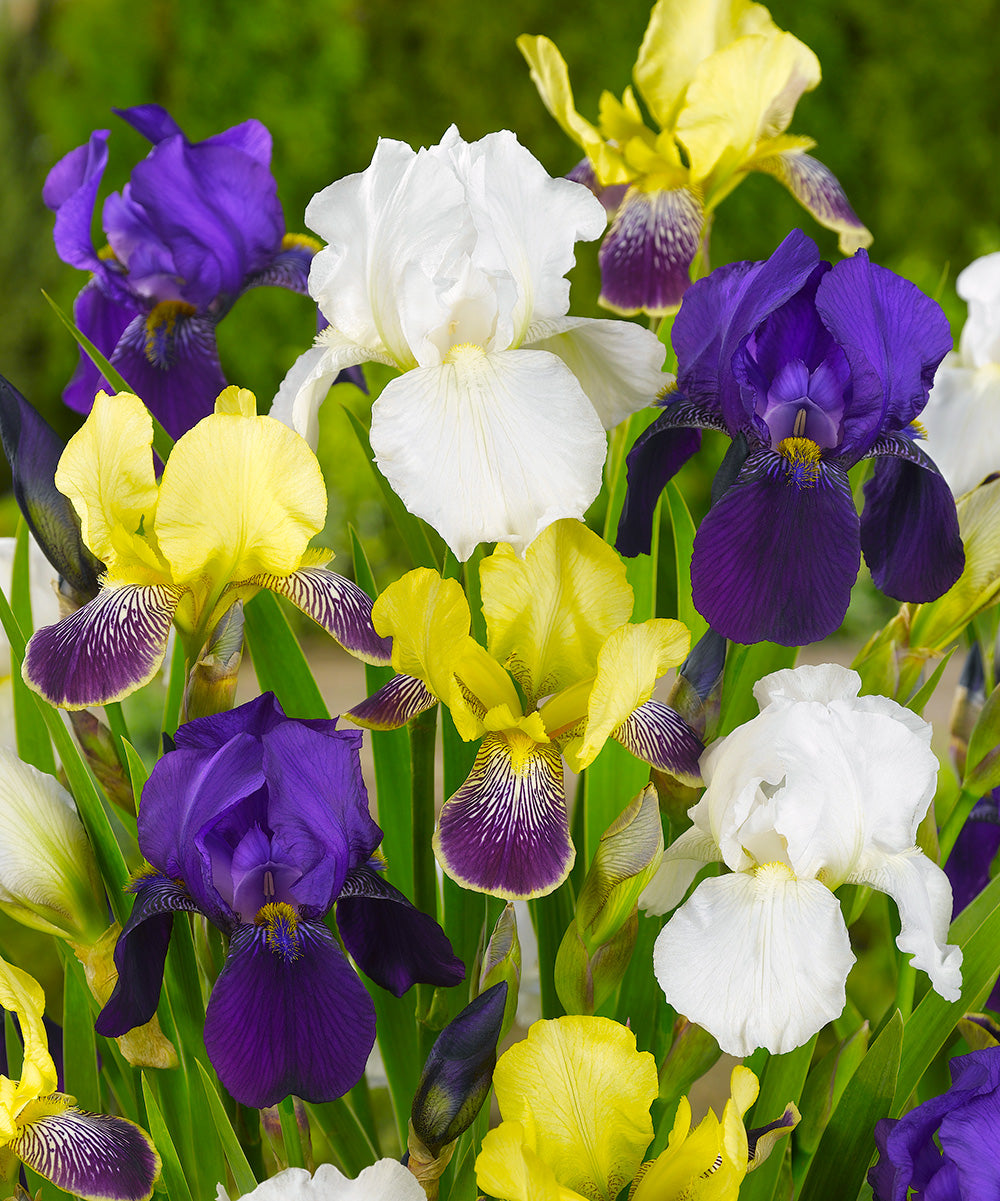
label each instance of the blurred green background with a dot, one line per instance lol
(906, 116)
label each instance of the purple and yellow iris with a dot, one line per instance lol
(260, 822)
(196, 226)
(809, 369)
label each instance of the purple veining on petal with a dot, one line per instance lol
(393, 705)
(505, 831)
(774, 560)
(105, 650)
(288, 1016)
(818, 190)
(659, 736)
(646, 255)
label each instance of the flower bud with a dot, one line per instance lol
(502, 961)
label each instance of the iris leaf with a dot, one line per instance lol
(243, 1175)
(173, 1176)
(33, 743)
(278, 660)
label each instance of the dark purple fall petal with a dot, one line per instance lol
(658, 454)
(393, 943)
(140, 954)
(909, 528)
(105, 650)
(336, 604)
(395, 703)
(291, 1018)
(505, 831)
(659, 736)
(646, 255)
(968, 865)
(773, 561)
(894, 337)
(90, 1155)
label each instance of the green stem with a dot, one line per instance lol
(956, 820)
(423, 738)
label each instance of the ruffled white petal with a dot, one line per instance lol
(681, 862)
(618, 363)
(758, 959)
(979, 286)
(386, 1180)
(922, 894)
(490, 447)
(810, 682)
(309, 379)
(962, 420)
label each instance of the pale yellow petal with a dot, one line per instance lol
(549, 614)
(106, 471)
(631, 661)
(236, 402)
(582, 1093)
(22, 995)
(239, 496)
(510, 1169)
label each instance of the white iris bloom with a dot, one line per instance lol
(449, 264)
(822, 788)
(386, 1180)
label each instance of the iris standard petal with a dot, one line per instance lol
(490, 447)
(818, 190)
(170, 358)
(508, 1167)
(391, 941)
(923, 896)
(335, 603)
(909, 526)
(89, 1155)
(141, 952)
(618, 363)
(549, 613)
(646, 257)
(103, 318)
(104, 651)
(505, 831)
(581, 1091)
(393, 705)
(776, 561)
(71, 191)
(288, 1015)
(894, 337)
(786, 954)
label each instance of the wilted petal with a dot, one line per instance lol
(290, 1020)
(394, 943)
(816, 188)
(909, 526)
(505, 831)
(90, 1155)
(923, 896)
(776, 561)
(490, 447)
(760, 959)
(646, 256)
(104, 651)
(335, 603)
(393, 705)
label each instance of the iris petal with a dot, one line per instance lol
(659, 736)
(393, 705)
(102, 317)
(817, 189)
(505, 831)
(279, 1024)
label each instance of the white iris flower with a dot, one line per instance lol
(449, 264)
(822, 788)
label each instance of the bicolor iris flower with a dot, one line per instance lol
(946, 1148)
(196, 226)
(822, 788)
(448, 264)
(720, 82)
(386, 1180)
(89, 1155)
(809, 369)
(564, 671)
(239, 499)
(260, 822)
(963, 412)
(574, 1100)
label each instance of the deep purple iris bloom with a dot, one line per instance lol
(197, 225)
(809, 369)
(261, 823)
(963, 1165)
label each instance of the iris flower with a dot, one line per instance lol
(386, 1180)
(261, 823)
(574, 1099)
(809, 369)
(963, 412)
(89, 1155)
(720, 81)
(565, 671)
(822, 788)
(239, 499)
(448, 264)
(197, 225)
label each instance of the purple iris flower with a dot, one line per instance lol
(198, 224)
(261, 823)
(945, 1149)
(809, 369)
